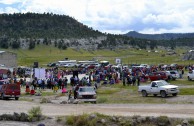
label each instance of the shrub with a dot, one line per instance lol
(81, 120)
(70, 120)
(191, 121)
(163, 121)
(35, 113)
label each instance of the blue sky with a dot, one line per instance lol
(116, 16)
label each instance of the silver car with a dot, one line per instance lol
(87, 94)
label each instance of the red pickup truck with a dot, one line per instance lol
(157, 76)
(10, 91)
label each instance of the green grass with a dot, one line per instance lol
(25, 99)
(107, 90)
(182, 82)
(45, 54)
(124, 94)
(128, 94)
(187, 91)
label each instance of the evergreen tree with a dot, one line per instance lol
(15, 44)
(31, 44)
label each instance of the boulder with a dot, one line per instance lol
(92, 116)
(185, 123)
(23, 117)
(16, 116)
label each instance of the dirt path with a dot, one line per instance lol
(171, 110)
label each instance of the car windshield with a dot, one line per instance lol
(86, 90)
(162, 83)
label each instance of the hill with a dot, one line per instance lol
(28, 30)
(165, 36)
(32, 25)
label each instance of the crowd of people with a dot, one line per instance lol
(56, 78)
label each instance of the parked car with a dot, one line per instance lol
(190, 75)
(51, 64)
(159, 87)
(160, 75)
(10, 91)
(173, 74)
(69, 65)
(86, 94)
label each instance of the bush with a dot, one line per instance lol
(70, 120)
(35, 114)
(191, 121)
(45, 100)
(81, 120)
(163, 121)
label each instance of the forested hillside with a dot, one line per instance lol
(32, 25)
(30, 29)
(164, 36)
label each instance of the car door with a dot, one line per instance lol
(154, 88)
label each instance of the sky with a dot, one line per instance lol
(116, 16)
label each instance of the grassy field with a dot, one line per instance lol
(45, 54)
(114, 93)
(129, 94)
(120, 94)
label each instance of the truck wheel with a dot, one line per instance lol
(189, 78)
(163, 94)
(144, 93)
(16, 98)
(175, 94)
(2, 96)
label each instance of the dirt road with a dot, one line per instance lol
(171, 110)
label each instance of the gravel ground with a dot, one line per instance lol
(184, 108)
(55, 109)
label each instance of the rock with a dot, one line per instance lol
(141, 119)
(75, 101)
(120, 119)
(23, 117)
(63, 102)
(92, 116)
(7, 117)
(133, 122)
(114, 119)
(45, 100)
(103, 121)
(153, 119)
(16, 116)
(70, 101)
(185, 123)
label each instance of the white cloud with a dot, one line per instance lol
(118, 16)
(9, 1)
(11, 10)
